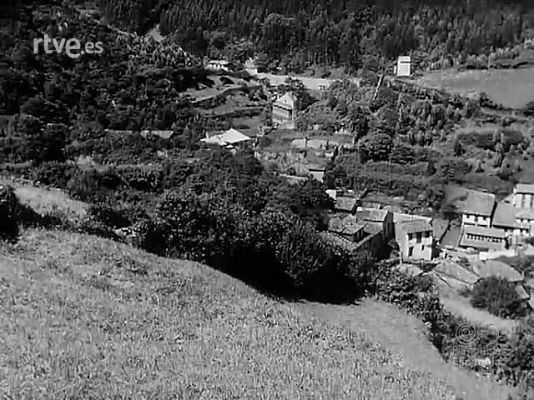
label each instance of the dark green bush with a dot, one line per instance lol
(9, 207)
(499, 297)
(54, 173)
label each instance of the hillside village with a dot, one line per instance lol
(206, 180)
(456, 253)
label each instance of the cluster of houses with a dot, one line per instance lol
(374, 229)
(487, 226)
(453, 254)
(491, 226)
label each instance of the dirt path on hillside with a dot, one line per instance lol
(404, 336)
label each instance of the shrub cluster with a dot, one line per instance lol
(275, 251)
(499, 297)
(9, 209)
(512, 356)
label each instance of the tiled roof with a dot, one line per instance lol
(336, 240)
(399, 217)
(498, 269)
(504, 215)
(439, 228)
(470, 201)
(482, 244)
(372, 214)
(345, 203)
(453, 270)
(452, 236)
(526, 188)
(416, 225)
(521, 292)
(525, 213)
(409, 269)
(484, 231)
(345, 226)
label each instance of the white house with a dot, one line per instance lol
(285, 108)
(404, 66)
(475, 207)
(516, 222)
(231, 137)
(415, 239)
(251, 67)
(524, 195)
(218, 65)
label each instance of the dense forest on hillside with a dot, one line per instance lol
(349, 33)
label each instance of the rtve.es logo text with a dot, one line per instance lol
(71, 47)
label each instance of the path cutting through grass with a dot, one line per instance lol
(404, 335)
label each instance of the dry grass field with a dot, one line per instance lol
(87, 318)
(42, 200)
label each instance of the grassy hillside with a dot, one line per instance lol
(511, 88)
(404, 335)
(82, 317)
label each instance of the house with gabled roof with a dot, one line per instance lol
(218, 65)
(516, 222)
(475, 207)
(229, 138)
(454, 275)
(524, 195)
(415, 239)
(285, 109)
(499, 269)
(379, 219)
(348, 227)
(482, 238)
(346, 204)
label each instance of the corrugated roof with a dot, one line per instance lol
(469, 201)
(416, 225)
(526, 188)
(498, 269)
(231, 136)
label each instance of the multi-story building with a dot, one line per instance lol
(218, 65)
(377, 220)
(415, 239)
(475, 207)
(482, 238)
(516, 222)
(285, 109)
(524, 195)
